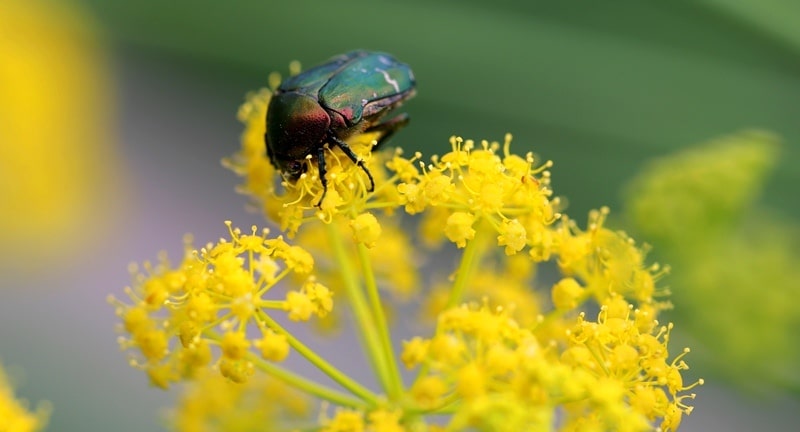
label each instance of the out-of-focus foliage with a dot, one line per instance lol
(736, 264)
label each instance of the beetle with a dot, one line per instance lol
(349, 94)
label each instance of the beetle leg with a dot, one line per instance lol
(388, 128)
(322, 172)
(353, 157)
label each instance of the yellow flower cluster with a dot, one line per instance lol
(15, 415)
(514, 346)
(346, 420)
(608, 374)
(213, 403)
(701, 208)
(212, 309)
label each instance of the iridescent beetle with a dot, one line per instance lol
(328, 103)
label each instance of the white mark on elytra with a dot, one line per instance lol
(389, 79)
(384, 60)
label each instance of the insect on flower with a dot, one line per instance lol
(326, 104)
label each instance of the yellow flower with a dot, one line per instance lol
(273, 346)
(567, 294)
(216, 297)
(344, 421)
(366, 229)
(512, 235)
(385, 421)
(299, 306)
(428, 391)
(213, 403)
(509, 352)
(459, 228)
(15, 415)
(605, 367)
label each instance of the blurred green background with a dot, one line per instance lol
(596, 86)
(599, 88)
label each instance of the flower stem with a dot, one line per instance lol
(335, 374)
(463, 273)
(304, 384)
(395, 382)
(365, 322)
(466, 268)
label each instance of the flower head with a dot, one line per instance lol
(509, 351)
(607, 373)
(213, 309)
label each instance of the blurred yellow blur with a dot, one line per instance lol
(56, 147)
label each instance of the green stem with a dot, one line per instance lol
(304, 384)
(365, 322)
(466, 268)
(335, 374)
(395, 382)
(295, 380)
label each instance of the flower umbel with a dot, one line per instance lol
(214, 309)
(507, 352)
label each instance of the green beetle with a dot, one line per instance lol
(326, 104)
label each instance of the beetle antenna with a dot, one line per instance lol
(352, 156)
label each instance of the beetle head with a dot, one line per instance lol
(296, 127)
